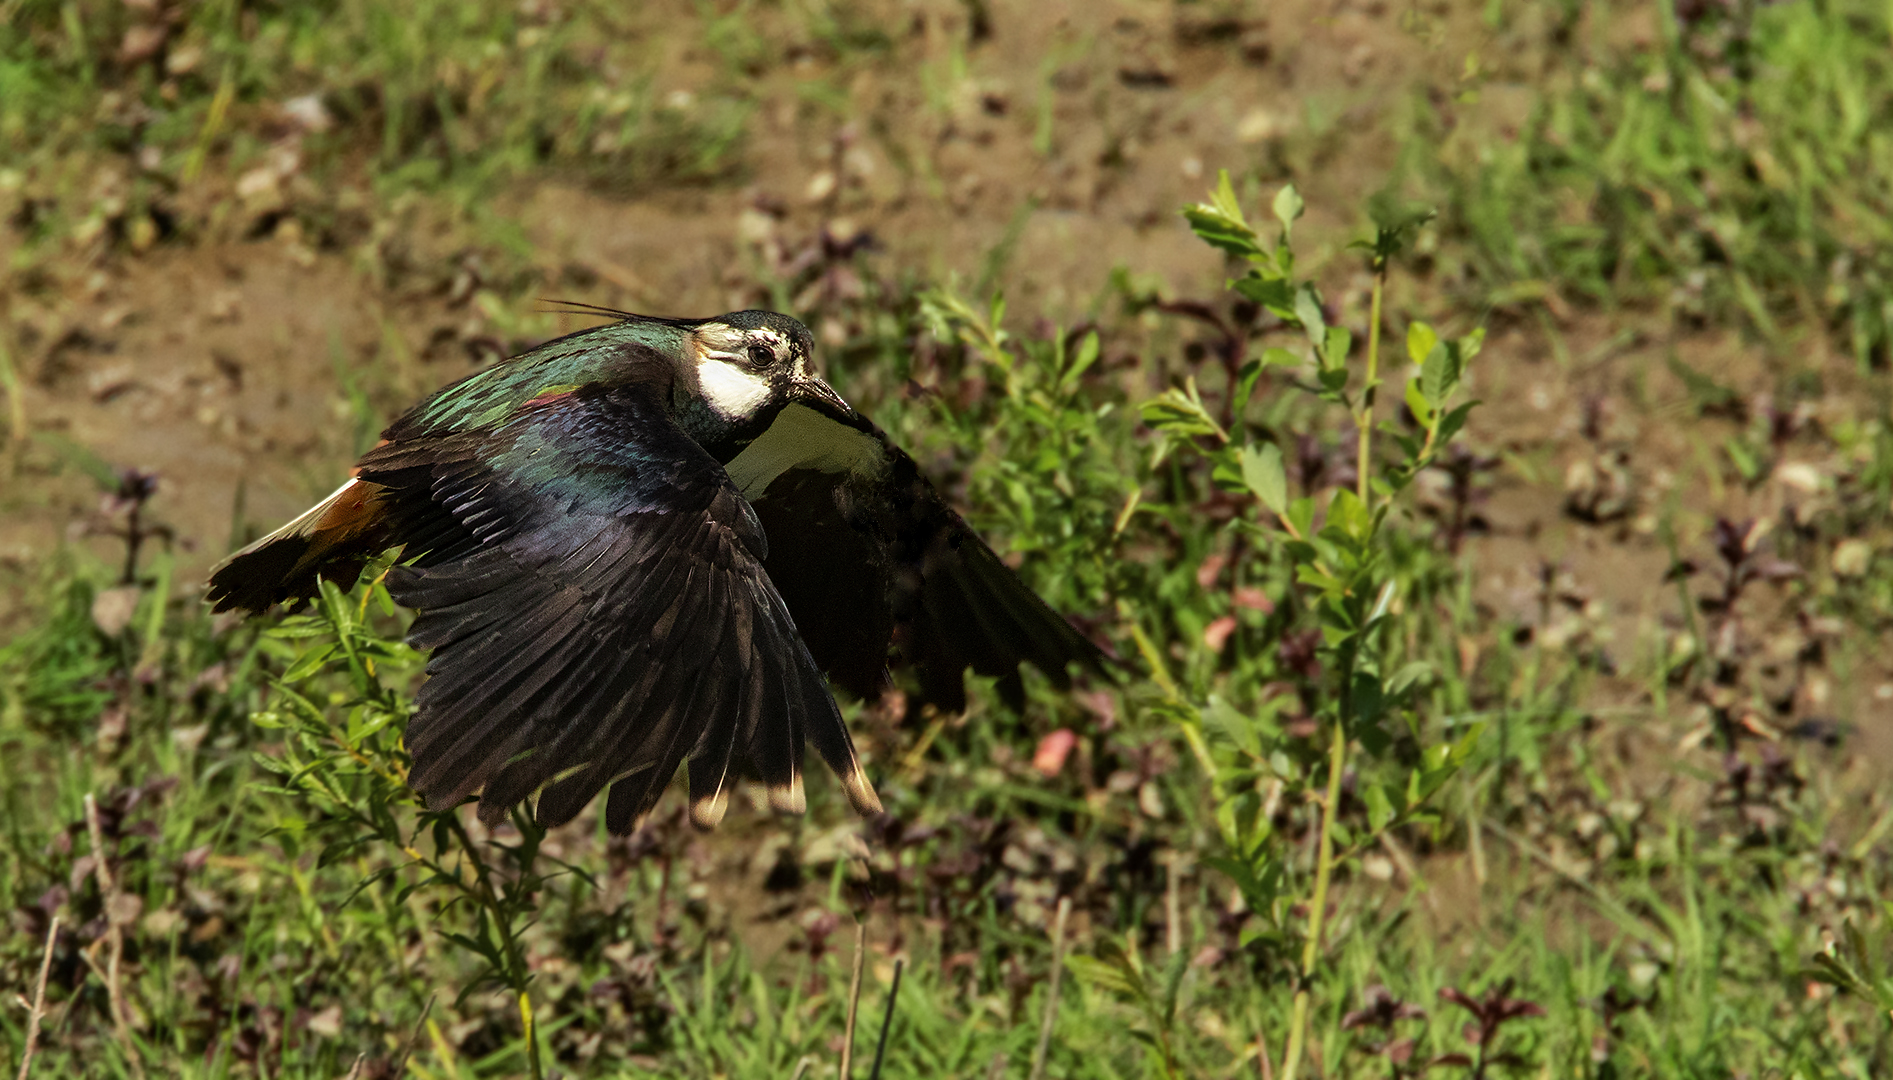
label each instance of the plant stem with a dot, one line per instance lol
(1051, 996)
(38, 1010)
(887, 1023)
(1318, 904)
(516, 975)
(1337, 754)
(1364, 420)
(854, 1001)
(114, 941)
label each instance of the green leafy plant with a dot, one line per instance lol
(1048, 466)
(1724, 166)
(1119, 971)
(1853, 963)
(1340, 551)
(344, 762)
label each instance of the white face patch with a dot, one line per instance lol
(735, 393)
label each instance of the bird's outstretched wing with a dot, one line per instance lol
(606, 618)
(868, 555)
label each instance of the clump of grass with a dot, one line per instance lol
(133, 126)
(1736, 166)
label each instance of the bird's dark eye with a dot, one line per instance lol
(761, 355)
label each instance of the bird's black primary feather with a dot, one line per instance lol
(607, 625)
(867, 554)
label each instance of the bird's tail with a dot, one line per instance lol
(332, 540)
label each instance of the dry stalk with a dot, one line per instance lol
(114, 941)
(1051, 998)
(37, 1011)
(854, 999)
(401, 1067)
(1474, 842)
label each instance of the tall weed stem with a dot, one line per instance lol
(515, 970)
(1337, 752)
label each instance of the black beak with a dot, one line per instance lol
(811, 390)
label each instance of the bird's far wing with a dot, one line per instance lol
(866, 552)
(611, 621)
(965, 608)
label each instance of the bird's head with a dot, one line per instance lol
(747, 365)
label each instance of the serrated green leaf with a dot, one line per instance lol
(311, 662)
(1439, 373)
(1380, 809)
(1179, 412)
(1411, 676)
(1273, 291)
(1450, 424)
(1263, 473)
(1308, 314)
(1347, 513)
(1369, 704)
(270, 764)
(1245, 385)
(1223, 199)
(301, 627)
(1336, 344)
(1422, 411)
(1420, 341)
(1226, 471)
(1288, 207)
(1221, 231)
(1276, 356)
(1234, 725)
(1086, 356)
(1470, 345)
(1302, 513)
